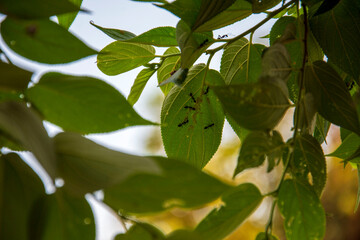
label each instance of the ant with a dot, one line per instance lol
(189, 107)
(203, 43)
(184, 122)
(192, 97)
(223, 36)
(209, 126)
(350, 85)
(206, 90)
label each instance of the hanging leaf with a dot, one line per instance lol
(50, 43)
(241, 62)
(141, 231)
(331, 95)
(25, 128)
(255, 147)
(86, 166)
(309, 157)
(82, 104)
(276, 62)
(67, 19)
(337, 33)
(140, 82)
(179, 185)
(20, 189)
(168, 67)
(13, 78)
(160, 37)
(192, 45)
(239, 203)
(116, 34)
(61, 217)
(192, 119)
(302, 210)
(255, 106)
(347, 148)
(119, 57)
(31, 9)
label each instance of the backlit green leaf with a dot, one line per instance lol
(119, 57)
(239, 203)
(50, 43)
(241, 62)
(82, 104)
(61, 217)
(337, 32)
(169, 66)
(160, 37)
(321, 128)
(141, 79)
(192, 119)
(179, 185)
(86, 166)
(302, 210)
(67, 19)
(20, 189)
(31, 9)
(25, 128)
(255, 106)
(116, 34)
(331, 95)
(347, 148)
(13, 78)
(183, 234)
(141, 231)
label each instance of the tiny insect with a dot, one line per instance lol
(203, 43)
(31, 30)
(190, 107)
(172, 73)
(206, 90)
(350, 85)
(192, 97)
(209, 126)
(183, 123)
(223, 36)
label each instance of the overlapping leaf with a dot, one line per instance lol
(141, 231)
(82, 104)
(13, 78)
(119, 57)
(50, 43)
(302, 210)
(160, 37)
(192, 119)
(61, 216)
(67, 19)
(255, 106)
(86, 166)
(347, 148)
(337, 32)
(116, 34)
(331, 95)
(239, 203)
(241, 62)
(262, 236)
(25, 128)
(20, 189)
(168, 67)
(140, 82)
(179, 185)
(276, 62)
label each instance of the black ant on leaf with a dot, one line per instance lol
(209, 126)
(186, 120)
(222, 36)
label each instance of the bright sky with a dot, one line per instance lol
(135, 17)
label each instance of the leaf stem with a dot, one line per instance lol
(229, 41)
(268, 228)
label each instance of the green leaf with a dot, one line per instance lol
(160, 37)
(82, 104)
(239, 203)
(304, 115)
(141, 231)
(240, 131)
(241, 62)
(13, 78)
(86, 166)
(255, 147)
(331, 95)
(192, 118)
(116, 34)
(50, 43)
(358, 192)
(179, 185)
(25, 128)
(255, 106)
(223, 16)
(344, 133)
(67, 19)
(353, 156)
(177, 77)
(261, 6)
(321, 129)
(168, 67)
(347, 148)
(183, 234)
(278, 29)
(302, 210)
(61, 217)
(141, 79)
(119, 57)
(309, 157)
(337, 32)
(31, 9)
(276, 62)
(262, 236)
(20, 189)
(192, 45)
